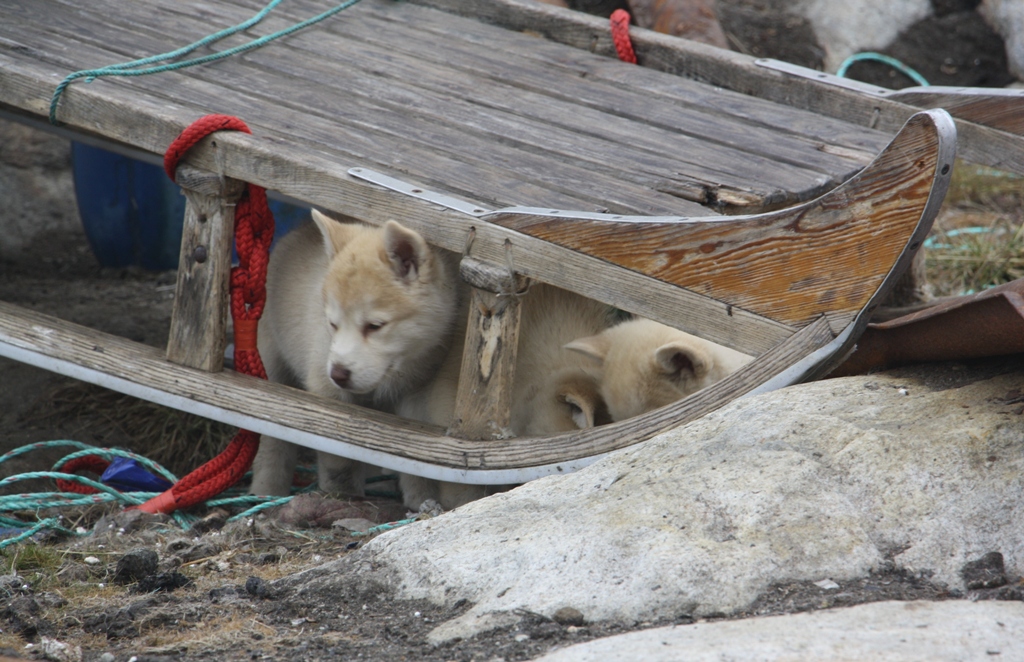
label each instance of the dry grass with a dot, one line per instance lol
(978, 239)
(177, 440)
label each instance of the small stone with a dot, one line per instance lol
(199, 551)
(521, 637)
(23, 616)
(58, 651)
(986, 572)
(13, 585)
(106, 657)
(135, 565)
(266, 558)
(258, 588)
(162, 581)
(225, 594)
(568, 616)
(91, 560)
(213, 521)
(827, 585)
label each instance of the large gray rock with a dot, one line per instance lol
(822, 481)
(882, 632)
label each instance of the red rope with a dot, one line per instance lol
(254, 230)
(93, 463)
(620, 35)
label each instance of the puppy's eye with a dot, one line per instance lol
(370, 327)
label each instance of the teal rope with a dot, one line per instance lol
(884, 59)
(43, 444)
(49, 523)
(40, 501)
(385, 527)
(132, 68)
(110, 453)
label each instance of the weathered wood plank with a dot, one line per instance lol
(483, 402)
(734, 71)
(458, 161)
(1001, 109)
(519, 83)
(123, 114)
(327, 424)
(198, 334)
(830, 255)
(683, 95)
(343, 62)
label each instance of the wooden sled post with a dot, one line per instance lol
(198, 333)
(484, 402)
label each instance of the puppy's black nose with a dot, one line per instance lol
(341, 376)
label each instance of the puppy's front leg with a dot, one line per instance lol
(340, 475)
(274, 467)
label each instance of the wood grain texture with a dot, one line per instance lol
(1001, 109)
(257, 404)
(738, 72)
(136, 119)
(198, 334)
(483, 403)
(827, 256)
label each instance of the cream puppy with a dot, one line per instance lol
(646, 365)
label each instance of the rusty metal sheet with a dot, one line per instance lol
(989, 323)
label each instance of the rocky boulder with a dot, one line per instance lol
(825, 482)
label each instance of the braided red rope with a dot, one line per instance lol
(620, 36)
(93, 463)
(254, 230)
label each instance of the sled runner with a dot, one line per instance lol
(534, 159)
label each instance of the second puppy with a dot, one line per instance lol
(646, 365)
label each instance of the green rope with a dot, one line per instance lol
(42, 444)
(49, 523)
(884, 59)
(110, 453)
(385, 527)
(40, 501)
(133, 68)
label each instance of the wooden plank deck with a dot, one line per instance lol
(456, 105)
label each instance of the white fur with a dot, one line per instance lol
(554, 390)
(646, 365)
(375, 304)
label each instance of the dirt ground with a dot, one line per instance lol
(208, 593)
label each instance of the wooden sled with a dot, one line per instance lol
(794, 286)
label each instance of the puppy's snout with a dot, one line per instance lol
(341, 376)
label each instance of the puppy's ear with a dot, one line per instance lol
(585, 403)
(679, 360)
(335, 234)
(596, 347)
(406, 250)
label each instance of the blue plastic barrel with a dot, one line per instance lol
(133, 214)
